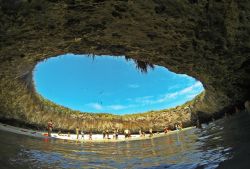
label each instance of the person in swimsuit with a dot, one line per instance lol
(140, 133)
(150, 132)
(50, 127)
(116, 133)
(90, 135)
(77, 132)
(126, 132)
(166, 130)
(107, 133)
(82, 132)
(104, 134)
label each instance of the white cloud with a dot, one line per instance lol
(174, 87)
(186, 90)
(191, 88)
(172, 95)
(191, 91)
(148, 100)
(96, 106)
(143, 100)
(117, 107)
(184, 76)
(191, 96)
(134, 86)
(198, 84)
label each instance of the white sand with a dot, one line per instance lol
(95, 137)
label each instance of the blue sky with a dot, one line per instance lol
(109, 84)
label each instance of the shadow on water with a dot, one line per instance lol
(223, 144)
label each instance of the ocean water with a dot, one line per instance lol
(224, 143)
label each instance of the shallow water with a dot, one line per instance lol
(224, 144)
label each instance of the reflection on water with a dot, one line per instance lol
(224, 144)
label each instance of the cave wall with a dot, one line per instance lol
(206, 39)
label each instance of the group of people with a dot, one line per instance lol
(78, 132)
(106, 133)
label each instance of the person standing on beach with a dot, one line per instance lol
(77, 132)
(180, 126)
(116, 134)
(150, 132)
(140, 133)
(166, 130)
(90, 135)
(104, 134)
(82, 132)
(50, 127)
(143, 134)
(126, 132)
(107, 133)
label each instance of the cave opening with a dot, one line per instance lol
(111, 84)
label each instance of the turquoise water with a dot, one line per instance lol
(221, 144)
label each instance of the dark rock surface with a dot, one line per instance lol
(206, 39)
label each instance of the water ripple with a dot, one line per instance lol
(212, 147)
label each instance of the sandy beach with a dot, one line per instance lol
(73, 137)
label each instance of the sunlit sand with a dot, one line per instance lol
(73, 137)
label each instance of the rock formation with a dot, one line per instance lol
(206, 39)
